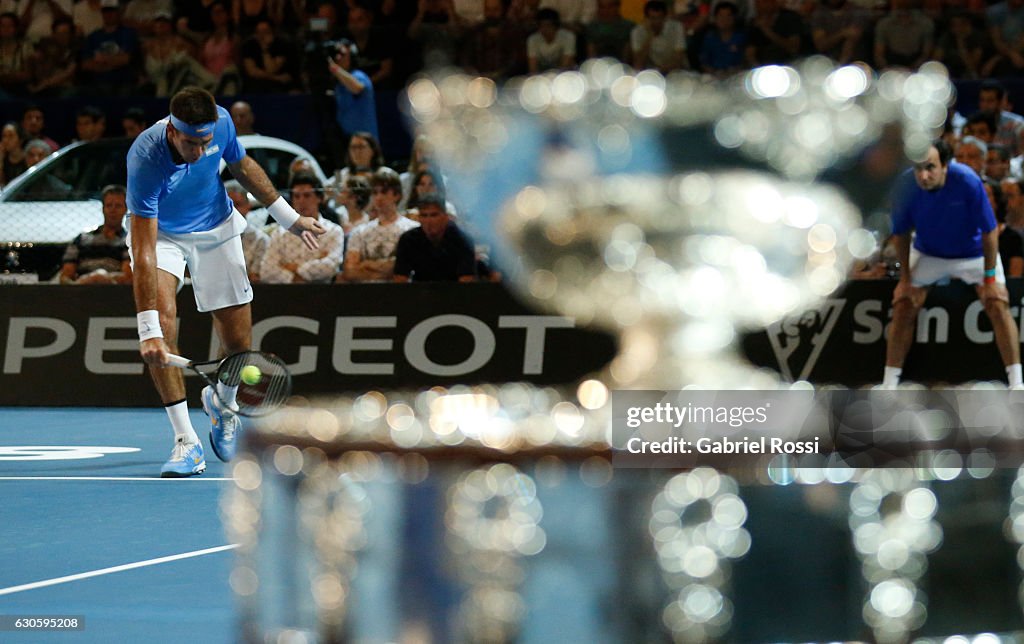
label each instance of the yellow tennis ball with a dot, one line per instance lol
(251, 374)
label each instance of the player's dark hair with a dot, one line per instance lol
(194, 105)
(945, 152)
(360, 189)
(113, 189)
(992, 85)
(307, 179)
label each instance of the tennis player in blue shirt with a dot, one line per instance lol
(954, 236)
(181, 216)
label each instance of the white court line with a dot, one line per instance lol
(107, 571)
(110, 478)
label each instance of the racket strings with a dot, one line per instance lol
(271, 389)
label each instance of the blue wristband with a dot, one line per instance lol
(990, 272)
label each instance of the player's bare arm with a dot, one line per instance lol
(255, 180)
(144, 285)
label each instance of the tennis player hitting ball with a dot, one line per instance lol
(181, 216)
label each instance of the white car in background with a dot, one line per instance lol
(42, 210)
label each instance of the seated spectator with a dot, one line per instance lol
(37, 17)
(575, 15)
(1011, 237)
(419, 160)
(982, 125)
(724, 44)
(243, 118)
(494, 47)
(110, 55)
(364, 159)
(248, 14)
(437, 29)
(370, 256)
(1006, 28)
(254, 240)
(219, 53)
(33, 122)
(168, 61)
(55, 62)
(268, 63)
(90, 123)
(194, 20)
(288, 260)
(551, 46)
(15, 58)
(961, 48)
(997, 163)
(775, 35)
(44, 187)
(607, 35)
(427, 182)
(903, 38)
(436, 251)
(140, 15)
(134, 122)
(87, 17)
(356, 108)
(839, 30)
(101, 256)
(354, 196)
(659, 42)
(972, 152)
(12, 147)
(1009, 126)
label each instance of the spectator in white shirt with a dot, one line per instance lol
(659, 42)
(551, 46)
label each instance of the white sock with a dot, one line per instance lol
(1013, 374)
(182, 424)
(227, 395)
(892, 376)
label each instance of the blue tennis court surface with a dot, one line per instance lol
(87, 528)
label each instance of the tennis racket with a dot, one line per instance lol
(259, 392)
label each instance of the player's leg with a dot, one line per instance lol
(1007, 338)
(907, 302)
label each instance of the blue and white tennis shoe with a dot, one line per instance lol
(225, 426)
(186, 460)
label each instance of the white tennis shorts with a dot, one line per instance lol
(926, 270)
(215, 263)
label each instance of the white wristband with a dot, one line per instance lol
(149, 325)
(283, 213)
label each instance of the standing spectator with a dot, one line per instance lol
(268, 65)
(494, 47)
(839, 30)
(608, 33)
(551, 46)
(110, 55)
(33, 122)
(101, 256)
(56, 62)
(15, 58)
(972, 152)
(134, 122)
(254, 240)
(219, 52)
(90, 123)
(12, 145)
(941, 209)
(904, 37)
(354, 195)
(1009, 126)
(243, 118)
(724, 44)
(658, 42)
(371, 247)
(437, 250)
(87, 17)
(37, 16)
(1006, 29)
(288, 260)
(961, 48)
(775, 36)
(353, 94)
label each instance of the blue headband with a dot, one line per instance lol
(199, 130)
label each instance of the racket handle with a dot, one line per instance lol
(178, 361)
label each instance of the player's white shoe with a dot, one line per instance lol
(224, 426)
(186, 460)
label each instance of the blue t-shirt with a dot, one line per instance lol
(357, 112)
(950, 221)
(186, 198)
